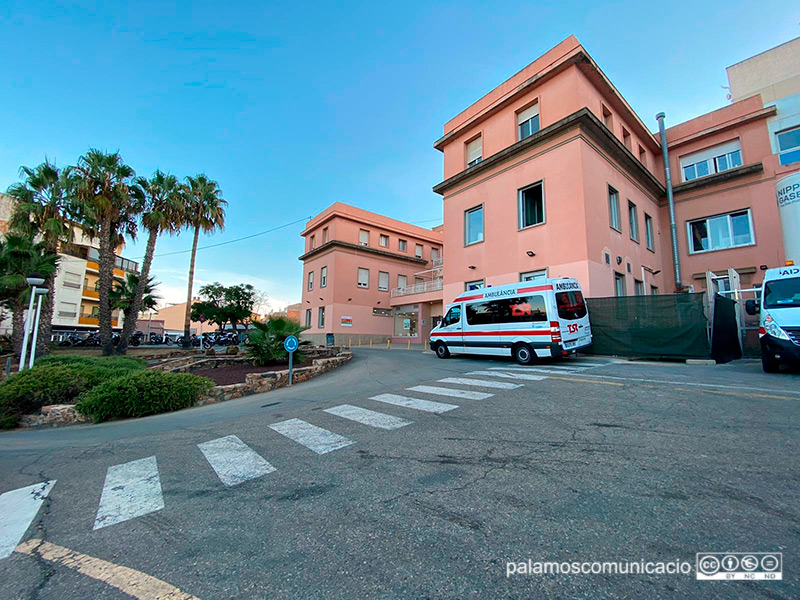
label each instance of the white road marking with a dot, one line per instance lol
(367, 417)
(525, 376)
(501, 385)
(531, 370)
(661, 381)
(467, 395)
(131, 490)
(18, 509)
(312, 437)
(558, 367)
(426, 405)
(233, 460)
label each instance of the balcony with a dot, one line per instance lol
(94, 319)
(91, 291)
(437, 262)
(418, 288)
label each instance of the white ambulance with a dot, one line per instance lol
(527, 320)
(779, 323)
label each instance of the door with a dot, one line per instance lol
(451, 330)
(572, 319)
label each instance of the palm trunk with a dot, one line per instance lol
(106, 268)
(46, 319)
(136, 305)
(18, 327)
(187, 318)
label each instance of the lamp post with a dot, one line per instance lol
(41, 292)
(33, 280)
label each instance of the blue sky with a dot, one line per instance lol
(292, 106)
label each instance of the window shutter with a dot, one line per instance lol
(363, 237)
(383, 281)
(528, 113)
(474, 150)
(363, 277)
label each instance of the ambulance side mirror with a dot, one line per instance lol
(751, 308)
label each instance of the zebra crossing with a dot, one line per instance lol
(133, 489)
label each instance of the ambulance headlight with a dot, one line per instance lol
(773, 329)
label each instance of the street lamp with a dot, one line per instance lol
(41, 292)
(33, 280)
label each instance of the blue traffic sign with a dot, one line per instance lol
(291, 343)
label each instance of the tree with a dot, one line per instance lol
(19, 257)
(43, 208)
(206, 212)
(106, 204)
(123, 297)
(163, 203)
(220, 304)
(265, 341)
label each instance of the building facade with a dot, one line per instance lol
(552, 173)
(368, 278)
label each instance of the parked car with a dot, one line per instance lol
(779, 323)
(527, 320)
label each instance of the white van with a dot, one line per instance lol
(779, 324)
(527, 320)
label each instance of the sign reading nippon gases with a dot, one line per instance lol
(788, 193)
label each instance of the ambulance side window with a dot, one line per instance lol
(452, 317)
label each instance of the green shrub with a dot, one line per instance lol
(232, 350)
(57, 380)
(142, 393)
(265, 341)
(211, 352)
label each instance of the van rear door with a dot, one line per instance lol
(573, 318)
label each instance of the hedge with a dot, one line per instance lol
(57, 380)
(142, 393)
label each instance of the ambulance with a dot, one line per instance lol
(779, 321)
(527, 320)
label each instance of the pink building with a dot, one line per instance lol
(553, 174)
(368, 277)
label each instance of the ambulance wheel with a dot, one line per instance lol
(524, 354)
(442, 351)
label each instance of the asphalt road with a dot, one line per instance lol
(597, 461)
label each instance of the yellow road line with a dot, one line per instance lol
(130, 581)
(584, 380)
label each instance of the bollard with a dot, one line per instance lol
(388, 343)
(359, 342)
(370, 342)
(349, 342)
(409, 343)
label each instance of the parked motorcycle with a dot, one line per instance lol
(73, 339)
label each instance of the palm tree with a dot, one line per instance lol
(19, 257)
(123, 296)
(43, 208)
(205, 211)
(163, 201)
(107, 204)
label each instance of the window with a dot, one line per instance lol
(435, 254)
(473, 225)
(381, 312)
(418, 251)
(638, 287)
(363, 278)
(383, 281)
(613, 209)
(524, 309)
(321, 317)
(626, 138)
(533, 275)
(402, 281)
(310, 280)
(570, 305)
(633, 219)
(789, 145)
(474, 152)
(711, 160)
(453, 316)
(384, 241)
(653, 290)
(607, 120)
(308, 317)
(642, 155)
(323, 277)
(648, 231)
(363, 237)
(402, 245)
(325, 235)
(67, 309)
(72, 280)
(619, 284)
(782, 293)
(718, 233)
(531, 205)
(473, 285)
(608, 258)
(313, 242)
(528, 121)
